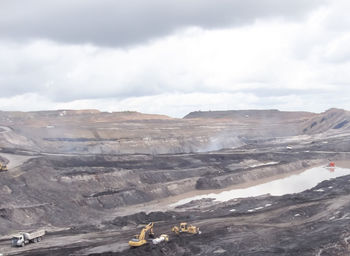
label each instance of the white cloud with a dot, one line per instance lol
(269, 64)
(180, 104)
(176, 105)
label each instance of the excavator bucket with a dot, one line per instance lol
(140, 239)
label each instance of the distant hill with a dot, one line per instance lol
(260, 114)
(309, 123)
(95, 132)
(332, 119)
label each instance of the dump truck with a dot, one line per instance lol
(185, 228)
(27, 237)
(3, 167)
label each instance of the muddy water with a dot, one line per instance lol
(292, 184)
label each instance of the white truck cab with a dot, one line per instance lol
(18, 240)
(25, 238)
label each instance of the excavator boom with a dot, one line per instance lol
(140, 239)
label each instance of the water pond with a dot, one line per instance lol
(292, 184)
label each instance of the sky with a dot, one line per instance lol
(174, 57)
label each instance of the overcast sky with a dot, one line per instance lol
(174, 57)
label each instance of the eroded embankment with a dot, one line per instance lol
(314, 222)
(53, 189)
(65, 191)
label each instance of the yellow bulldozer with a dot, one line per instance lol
(3, 167)
(185, 228)
(140, 239)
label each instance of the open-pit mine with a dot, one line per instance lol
(248, 182)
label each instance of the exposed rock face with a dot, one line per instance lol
(331, 120)
(308, 223)
(94, 132)
(52, 189)
(69, 169)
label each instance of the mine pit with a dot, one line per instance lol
(270, 194)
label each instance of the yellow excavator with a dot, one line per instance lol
(3, 167)
(186, 228)
(140, 239)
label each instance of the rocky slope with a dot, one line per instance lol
(314, 222)
(81, 176)
(94, 132)
(331, 120)
(50, 190)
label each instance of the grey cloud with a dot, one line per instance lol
(121, 23)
